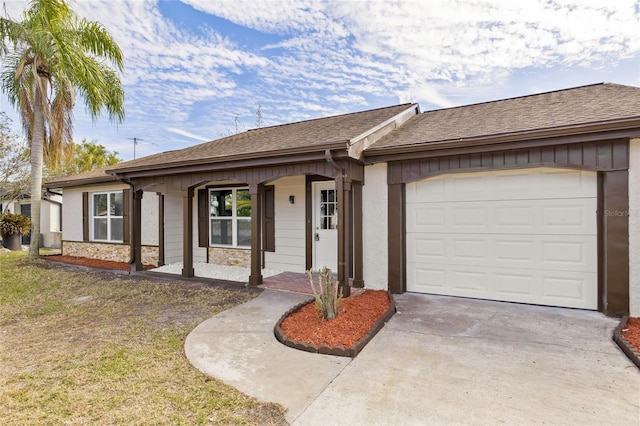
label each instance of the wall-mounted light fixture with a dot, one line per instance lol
(292, 199)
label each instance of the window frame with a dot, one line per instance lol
(234, 218)
(109, 217)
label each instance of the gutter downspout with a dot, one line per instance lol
(132, 242)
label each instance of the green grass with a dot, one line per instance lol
(83, 348)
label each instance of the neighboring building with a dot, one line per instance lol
(50, 217)
(524, 199)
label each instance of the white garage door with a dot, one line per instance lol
(526, 235)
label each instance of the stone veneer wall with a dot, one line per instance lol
(229, 257)
(150, 255)
(115, 252)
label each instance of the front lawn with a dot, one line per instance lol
(92, 348)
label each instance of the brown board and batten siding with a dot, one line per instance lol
(610, 158)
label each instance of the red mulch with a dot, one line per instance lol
(95, 263)
(631, 332)
(356, 316)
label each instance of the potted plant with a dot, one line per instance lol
(12, 227)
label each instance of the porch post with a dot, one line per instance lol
(256, 234)
(358, 267)
(187, 233)
(343, 190)
(160, 229)
(396, 239)
(136, 234)
(614, 241)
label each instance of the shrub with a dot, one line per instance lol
(14, 224)
(327, 295)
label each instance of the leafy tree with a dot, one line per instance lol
(85, 157)
(49, 56)
(14, 173)
(92, 155)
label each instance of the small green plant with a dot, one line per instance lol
(327, 295)
(14, 224)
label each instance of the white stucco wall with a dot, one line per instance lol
(150, 219)
(634, 228)
(375, 227)
(289, 226)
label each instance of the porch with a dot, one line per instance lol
(191, 222)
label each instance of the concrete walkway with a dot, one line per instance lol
(439, 360)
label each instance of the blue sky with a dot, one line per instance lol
(197, 69)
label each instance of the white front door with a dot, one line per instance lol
(325, 226)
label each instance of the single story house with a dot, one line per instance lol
(50, 217)
(531, 199)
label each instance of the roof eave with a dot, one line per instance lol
(572, 134)
(287, 156)
(79, 182)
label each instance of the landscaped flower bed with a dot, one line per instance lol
(359, 319)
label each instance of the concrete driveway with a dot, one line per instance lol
(439, 360)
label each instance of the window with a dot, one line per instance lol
(230, 217)
(107, 216)
(328, 209)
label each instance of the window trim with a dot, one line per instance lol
(234, 218)
(108, 217)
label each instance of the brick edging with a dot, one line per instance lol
(337, 350)
(629, 350)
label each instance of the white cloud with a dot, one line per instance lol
(190, 135)
(326, 57)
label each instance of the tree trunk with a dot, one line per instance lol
(37, 153)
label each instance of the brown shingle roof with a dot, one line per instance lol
(85, 178)
(598, 103)
(301, 136)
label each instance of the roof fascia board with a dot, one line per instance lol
(274, 157)
(422, 151)
(316, 155)
(569, 134)
(79, 182)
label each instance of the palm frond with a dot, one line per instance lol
(49, 56)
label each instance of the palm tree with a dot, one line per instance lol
(47, 57)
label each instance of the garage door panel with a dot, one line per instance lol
(513, 251)
(427, 217)
(571, 254)
(570, 290)
(527, 235)
(473, 283)
(465, 249)
(542, 183)
(560, 182)
(546, 252)
(566, 216)
(557, 288)
(427, 189)
(515, 287)
(576, 216)
(427, 249)
(428, 280)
